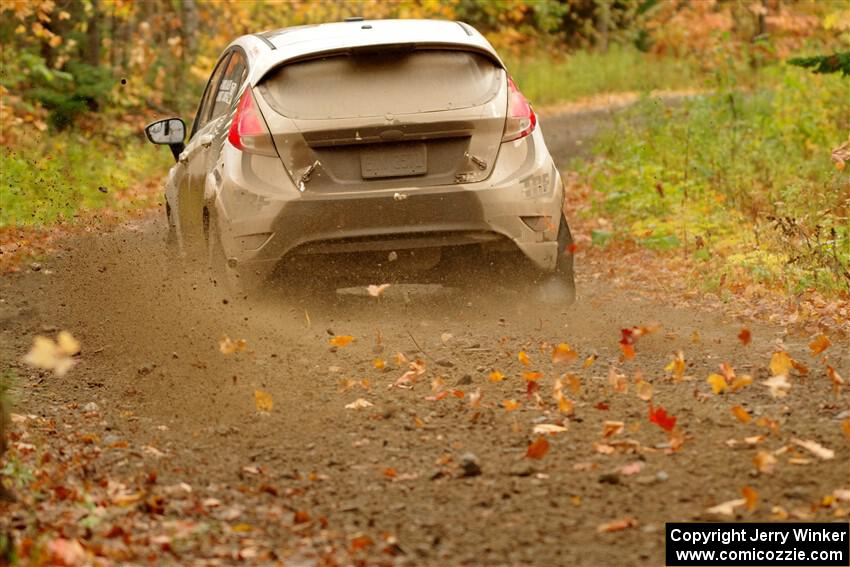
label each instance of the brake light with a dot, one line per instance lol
(521, 118)
(248, 131)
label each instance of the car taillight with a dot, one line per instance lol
(521, 118)
(248, 131)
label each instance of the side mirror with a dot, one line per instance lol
(170, 132)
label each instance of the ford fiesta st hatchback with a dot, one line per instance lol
(404, 138)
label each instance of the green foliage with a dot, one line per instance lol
(82, 88)
(837, 62)
(740, 177)
(547, 80)
(51, 178)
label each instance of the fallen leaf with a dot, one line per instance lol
(361, 542)
(779, 385)
(573, 383)
(263, 401)
(510, 405)
(845, 427)
(446, 337)
(835, 377)
(742, 414)
(563, 353)
(815, 448)
(751, 497)
(611, 428)
(617, 525)
(548, 429)
(780, 363)
(819, 344)
(376, 290)
(341, 341)
(379, 363)
(532, 376)
(588, 362)
(496, 376)
(475, 398)
(661, 418)
(718, 383)
(643, 389)
(632, 468)
(538, 449)
(628, 351)
(603, 448)
(741, 382)
(523, 358)
(227, 346)
(727, 508)
(359, 403)
(765, 462)
(55, 356)
(677, 366)
(745, 336)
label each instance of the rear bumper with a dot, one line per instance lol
(258, 232)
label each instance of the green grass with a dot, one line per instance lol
(740, 180)
(46, 178)
(545, 80)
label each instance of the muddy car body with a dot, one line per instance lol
(363, 136)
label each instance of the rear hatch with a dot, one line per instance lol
(386, 118)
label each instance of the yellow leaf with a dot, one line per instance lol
(741, 382)
(780, 363)
(718, 383)
(496, 376)
(742, 414)
(523, 358)
(677, 366)
(574, 383)
(379, 363)
(263, 401)
(563, 353)
(588, 362)
(67, 343)
(341, 341)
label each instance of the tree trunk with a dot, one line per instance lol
(93, 36)
(603, 24)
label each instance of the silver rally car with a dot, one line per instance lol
(398, 137)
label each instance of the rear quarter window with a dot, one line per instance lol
(382, 82)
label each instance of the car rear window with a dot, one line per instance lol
(382, 82)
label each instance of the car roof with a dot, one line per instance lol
(270, 49)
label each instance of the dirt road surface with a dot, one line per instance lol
(422, 476)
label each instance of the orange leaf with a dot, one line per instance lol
(263, 401)
(739, 383)
(538, 449)
(588, 362)
(611, 428)
(742, 414)
(390, 472)
(496, 376)
(574, 383)
(617, 525)
(341, 341)
(819, 344)
(379, 363)
(301, 517)
(750, 496)
(628, 351)
(563, 353)
(845, 427)
(510, 405)
(532, 376)
(745, 336)
(523, 358)
(361, 542)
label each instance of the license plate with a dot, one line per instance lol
(393, 161)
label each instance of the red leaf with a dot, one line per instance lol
(531, 388)
(659, 416)
(602, 406)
